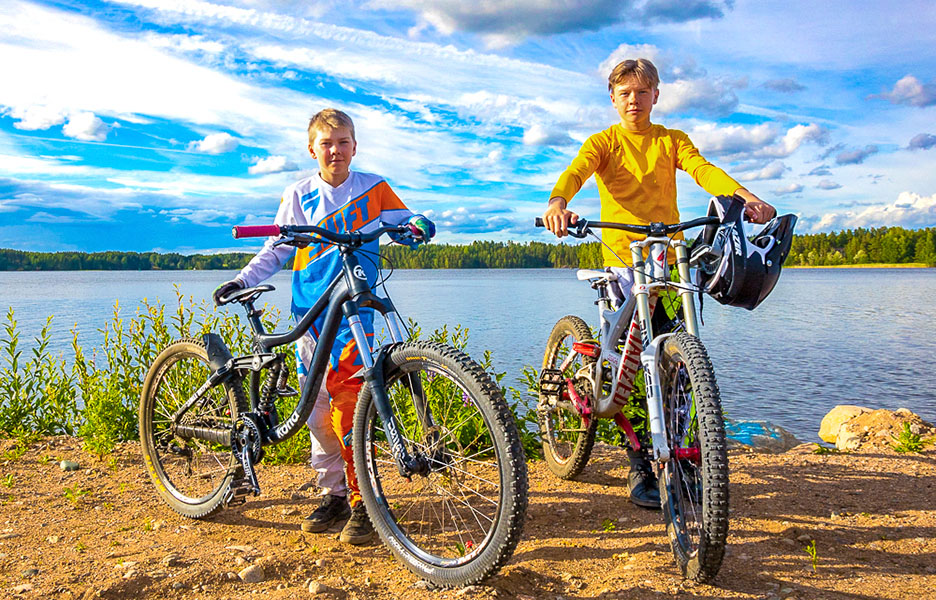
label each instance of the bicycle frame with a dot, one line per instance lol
(641, 346)
(347, 293)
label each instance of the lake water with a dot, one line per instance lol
(823, 337)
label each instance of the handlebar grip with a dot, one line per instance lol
(245, 231)
(538, 222)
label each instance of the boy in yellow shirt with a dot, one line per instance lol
(634, 163)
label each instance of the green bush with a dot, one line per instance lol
(97, 396)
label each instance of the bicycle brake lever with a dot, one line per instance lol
(581, 229)
(299, 240)
(283, 240)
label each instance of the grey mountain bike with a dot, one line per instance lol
(584, 379)
(439, 461)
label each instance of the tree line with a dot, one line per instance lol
(882, 245)
(889, 245)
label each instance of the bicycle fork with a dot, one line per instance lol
(648, 355)
(407, 464)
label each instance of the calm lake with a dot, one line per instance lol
(823, 337)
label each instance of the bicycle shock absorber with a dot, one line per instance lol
(270, 385)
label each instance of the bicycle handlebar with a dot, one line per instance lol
(653, 229)
(302, 231)
(246, 231)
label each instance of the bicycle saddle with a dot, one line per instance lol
(247, 294)
(586, 274)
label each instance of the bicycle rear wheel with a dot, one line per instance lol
(567, 440)
(461, 522)
(694, 482)
(191, 475)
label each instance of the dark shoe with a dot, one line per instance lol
(358, 530)
(641, 481)
(332, 509)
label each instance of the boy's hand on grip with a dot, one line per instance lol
(557, 219)
(422, 230)
(224, 289)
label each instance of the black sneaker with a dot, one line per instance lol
(331, 509)
(358, 530)
(641, 482)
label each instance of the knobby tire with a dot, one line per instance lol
(693, 492)
(192, 475)
(567, 441)
(461, 522)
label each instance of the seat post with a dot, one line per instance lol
(253, 317)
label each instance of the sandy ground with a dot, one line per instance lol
(871, 514)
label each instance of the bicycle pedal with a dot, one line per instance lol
(238, 492)
(551, 383)
(287, 391)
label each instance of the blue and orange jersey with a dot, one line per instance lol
(362, 203)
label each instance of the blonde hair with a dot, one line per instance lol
(330, 118)
(642, 69)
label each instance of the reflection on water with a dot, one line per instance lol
(823, 337)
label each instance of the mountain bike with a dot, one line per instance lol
(440, 465)
(584, 379)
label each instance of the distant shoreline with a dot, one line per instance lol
(864, 266)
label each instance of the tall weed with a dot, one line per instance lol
(97, 396)
(37, 394)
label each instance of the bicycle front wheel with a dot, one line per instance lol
(567, 438)
(694, 482)
(190, 474)
(460, 522)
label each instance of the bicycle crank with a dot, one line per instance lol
(246, 444)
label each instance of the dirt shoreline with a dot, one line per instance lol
(872, 516)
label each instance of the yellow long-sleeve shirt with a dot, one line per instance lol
(636, 176)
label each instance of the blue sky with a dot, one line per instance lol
(157, 124)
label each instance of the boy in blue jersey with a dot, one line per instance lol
(340, 200)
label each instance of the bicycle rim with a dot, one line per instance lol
(190, 474)
(567, 439)
(459, 523)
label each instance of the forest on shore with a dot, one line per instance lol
(882, 245)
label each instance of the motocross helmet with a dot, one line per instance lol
(735, 270)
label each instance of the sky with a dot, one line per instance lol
(156, 125)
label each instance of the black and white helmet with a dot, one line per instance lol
(733, 269)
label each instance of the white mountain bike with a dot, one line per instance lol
(584, 379)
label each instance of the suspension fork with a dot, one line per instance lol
(648, 356)
(407, 464)
(688, 302)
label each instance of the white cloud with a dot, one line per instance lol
(774, 170)
(791, 188)
(201, 216)
(786, 85)
(755, 141)
(796, 136)
(632, 51)
(37, 117)
(540, 135)
(828, 184)
(87, 127)
(857, 156)
(503, 23)
(910, 210)
(74, 53)
(911, 91)
(185, 43)
(708, 96)
(922, 141)
(216, 143)
(272, 164)
(732, 139)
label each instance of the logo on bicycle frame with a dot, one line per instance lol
(359, 273)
